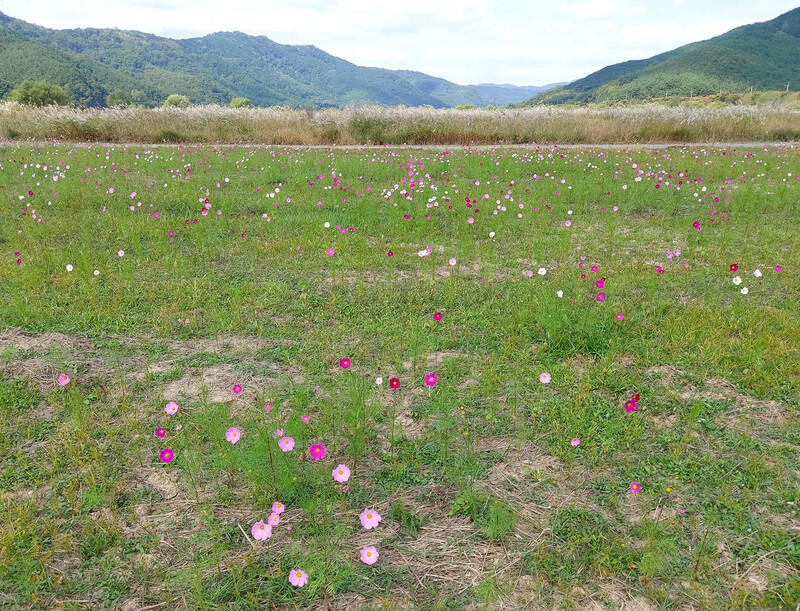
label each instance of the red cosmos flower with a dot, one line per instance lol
(389, 254)
(394, 383)
(635, 398)
(734, 267)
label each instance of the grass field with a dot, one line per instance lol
(520, 298)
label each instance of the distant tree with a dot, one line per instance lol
(465, 106)
(240, 103)
(39, 93)
(178, 101)
(118, 98)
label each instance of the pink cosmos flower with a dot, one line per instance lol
(166, 455)
(437, 316)
(576, 441)
(63, 379)
(545, 378)
(286, 444)
(120, 253)
(268, 407)
(431, 379)
(341, 473)
(370, 518)
(274, 519)
(369, 555)
(237, 389)
(635, 487)
(298, 578)
(452, 261)
(261, 531)
(278, 507)
(344, 363)
(601, 296)
(171, 408)
(331, 252)
(620, 316)
(233, 434)
(317, 451)
(305, 418)
(160, 433)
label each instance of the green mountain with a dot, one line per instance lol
(764, 56)
(91, 63)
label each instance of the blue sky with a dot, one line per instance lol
(466, 41)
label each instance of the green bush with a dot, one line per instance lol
(240, 103)
(118, 98)
(39, 93)
(177, 101)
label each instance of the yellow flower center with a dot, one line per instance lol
(369, 553)
(261, 527)
(299, 574)
(340, 472)
(369, 516)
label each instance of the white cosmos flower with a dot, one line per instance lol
(491, 234)
(69, 267)
(379, 380)
(757, 273)
(744, 290)
(542, 271)
(97, 272)
(327, 225)
(736, 280)
(560, 293)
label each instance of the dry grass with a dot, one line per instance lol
(399, 125)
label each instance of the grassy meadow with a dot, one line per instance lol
(564, 378)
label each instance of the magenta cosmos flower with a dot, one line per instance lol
(278, 507)
(544, 378)
(237, 389)
(601, 296)
(370, 518)
(298, 578)
(63, 379)
(331, 252)
(233, 434)
(286, 444)
(261, 531)
(317, 451)
(305, 418)
(635, 487)
(160, 433)
(344, 363)
(437, 316)
(431, 379)
(369, 555)
(166, 455)
(631, 406)
(171, 408)
(341, 473)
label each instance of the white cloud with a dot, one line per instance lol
(465, 41)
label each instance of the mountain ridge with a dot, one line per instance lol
(92, 62)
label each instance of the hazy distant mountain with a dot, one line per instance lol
(91, 63)
(762, 55)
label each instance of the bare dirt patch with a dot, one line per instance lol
(719, 389)
(447, 554)
(218, 381)
(19, 340)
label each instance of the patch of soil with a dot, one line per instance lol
(218, 380)
(18, 339)
(44, 374)
(446, 553)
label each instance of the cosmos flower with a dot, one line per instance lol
(341, 473)
(317, 451)
(369, 555)
(369, 518)
(261, 531)
(298, 578)
(233, 434)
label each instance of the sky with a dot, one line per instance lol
(521, 42)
